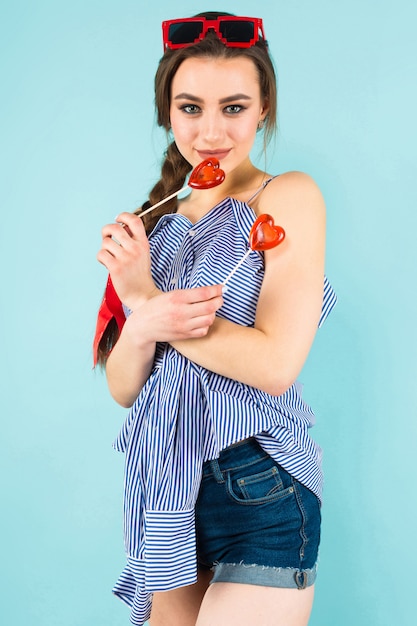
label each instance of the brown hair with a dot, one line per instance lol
(175, 168)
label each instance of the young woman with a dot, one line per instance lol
(223, 482)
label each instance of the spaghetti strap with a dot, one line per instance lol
(261, 188)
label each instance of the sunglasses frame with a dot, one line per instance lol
(214, 25)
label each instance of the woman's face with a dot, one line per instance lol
(216, 105)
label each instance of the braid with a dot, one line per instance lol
(173, 173)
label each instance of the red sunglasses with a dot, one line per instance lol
(234, 32)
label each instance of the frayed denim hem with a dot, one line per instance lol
(263, 575)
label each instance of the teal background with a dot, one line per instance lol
(78, 146)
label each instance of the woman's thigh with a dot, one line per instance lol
(180, 607)
(230, 604)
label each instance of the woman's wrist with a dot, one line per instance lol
(136, 330)
(137, 301)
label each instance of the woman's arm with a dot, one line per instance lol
(271, 355)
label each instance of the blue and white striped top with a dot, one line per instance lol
(186, 415)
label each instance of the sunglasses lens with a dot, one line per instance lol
(184, 32)
(237, 31)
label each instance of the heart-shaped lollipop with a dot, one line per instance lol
(206, 175)
(263, 235)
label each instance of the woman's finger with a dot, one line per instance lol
(133, 223)
(197, 294)
(113, 246)
(116, 232)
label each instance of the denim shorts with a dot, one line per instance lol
(255, 523)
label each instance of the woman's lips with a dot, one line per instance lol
(209, 154)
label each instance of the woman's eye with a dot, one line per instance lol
(190, 108)
(234, 108)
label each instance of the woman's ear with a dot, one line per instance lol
(264, 110)
(262, 117)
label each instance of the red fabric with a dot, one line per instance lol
(111, 307)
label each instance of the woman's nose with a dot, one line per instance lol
(212, 128)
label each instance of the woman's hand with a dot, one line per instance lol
(178, 314)
(125, 253)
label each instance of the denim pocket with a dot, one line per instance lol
(257, 488)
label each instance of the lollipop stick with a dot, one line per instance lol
(151, 208)
(242, 260)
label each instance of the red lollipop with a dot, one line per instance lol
(205, 176)
(263, 235)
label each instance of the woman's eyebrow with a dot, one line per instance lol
(188, 96)
(232, 98)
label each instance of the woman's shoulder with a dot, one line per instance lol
(294, 194)
(297, 184)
